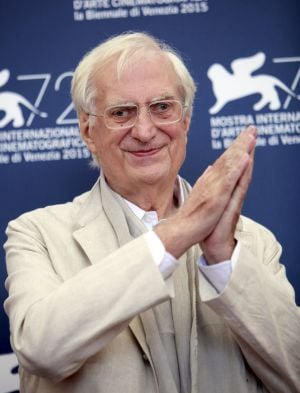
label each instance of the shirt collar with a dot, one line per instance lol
(150, 218)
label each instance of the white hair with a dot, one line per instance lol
(123, 48)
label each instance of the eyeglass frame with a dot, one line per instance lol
(138, 107)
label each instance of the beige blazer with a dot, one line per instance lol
(78, 292)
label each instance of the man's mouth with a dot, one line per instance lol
(145, 153)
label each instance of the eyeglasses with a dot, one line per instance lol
(161, 112)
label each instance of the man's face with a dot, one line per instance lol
(144, 153)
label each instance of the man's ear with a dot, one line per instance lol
(86, 131)
(186, 123)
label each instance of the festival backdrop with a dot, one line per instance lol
(245, 57)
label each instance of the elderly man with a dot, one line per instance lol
(144, 284)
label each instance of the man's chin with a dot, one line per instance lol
(149, 175)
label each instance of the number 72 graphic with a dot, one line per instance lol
(11, 103)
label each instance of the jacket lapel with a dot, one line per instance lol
(99, 235)
(93, 231)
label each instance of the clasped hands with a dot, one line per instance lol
(210, 214)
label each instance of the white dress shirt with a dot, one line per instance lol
(218, 274)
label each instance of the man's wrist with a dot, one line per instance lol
(218, 254)
(219, 274)
(170, 235)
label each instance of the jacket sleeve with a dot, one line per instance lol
(258, 304)
(57, 324)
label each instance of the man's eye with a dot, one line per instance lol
(120, 112)
(161, 106)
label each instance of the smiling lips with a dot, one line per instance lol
(145, 153)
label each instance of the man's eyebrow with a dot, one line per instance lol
(163, 96)
(120, 103)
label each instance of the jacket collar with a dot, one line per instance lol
(92, 226)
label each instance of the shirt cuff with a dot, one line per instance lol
(166, 263)
(219, 274)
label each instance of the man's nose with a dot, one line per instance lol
(144, 129)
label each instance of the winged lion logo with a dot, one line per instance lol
(10, 104)
(230, 86)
